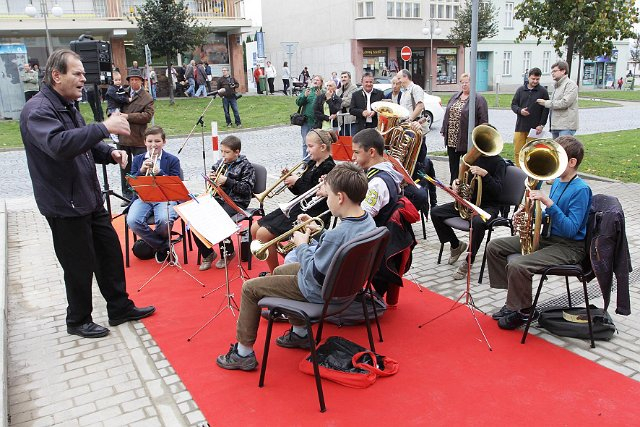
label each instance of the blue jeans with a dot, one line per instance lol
(304, 130)
(153, 91)
(562, 132)
(234, 106)
(192, 87)
(139, 213)
(202, 90)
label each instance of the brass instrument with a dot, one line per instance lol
(401, 141)
(307, 200)
(261, 250)
(541, 160)
(279, 186)
(221, 171)
(154, 159)
(486, 142)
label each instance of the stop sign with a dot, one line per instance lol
(405, 53)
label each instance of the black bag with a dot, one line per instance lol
(298, 119)
(238, 95)
(142, 250)
(353, 314)
(553, 320)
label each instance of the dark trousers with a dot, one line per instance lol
(131, 152)
(270, 81)
(454, 162)
(233, 103)
(285, 83)
(446, 233)
(226, 244)
(88, 245)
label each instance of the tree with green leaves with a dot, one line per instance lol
(586, 27)
(168, 27)
(487, 24)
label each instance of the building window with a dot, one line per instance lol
(403, 9)
(546, 62)
(506, 64)
(365, 9)
(444, 9)
(526, 61)
(508, 15)
(447, 60)
(374, 60)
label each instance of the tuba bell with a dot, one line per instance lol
(541, 160)
(401, 141)
(486, 142)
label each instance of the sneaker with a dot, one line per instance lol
(461, 272)
(228, 125)
(161, 255)
(205, 264)
(224, 261)
(455, 253)
(292, 340)
(504, 311)
(233, 361)
(239, 125)
(515, 319)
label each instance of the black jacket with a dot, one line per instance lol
(308, 180)
(525, 97)
(241, 177)
(61, 154)
(116, 97)
(609, 251)
(492, 182)
(229, 84)
(359, 104)
(318, 108)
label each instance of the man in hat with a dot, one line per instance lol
(138, 113)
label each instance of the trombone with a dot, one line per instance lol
(221, 171)
(306, 201)
(279, 186)
(261, 250)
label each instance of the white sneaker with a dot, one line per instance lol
(205, 264)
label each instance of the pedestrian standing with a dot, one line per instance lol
(563, 103)
(29, 79)
(270, 71)
(227, 86)
(286, 77)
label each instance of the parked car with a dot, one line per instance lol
(433, 110)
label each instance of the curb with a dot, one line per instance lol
(4, 395)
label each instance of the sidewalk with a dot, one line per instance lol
(124, 379)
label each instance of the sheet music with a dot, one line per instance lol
(207, 218)
(543, 135)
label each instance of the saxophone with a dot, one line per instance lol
(541, 160)
(486, 142)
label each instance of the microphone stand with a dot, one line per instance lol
(200, 122)
(468, 298)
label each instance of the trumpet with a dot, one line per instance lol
(279, 186)
(221, 171)
(306, 201)
(261, 250)
(154, 160)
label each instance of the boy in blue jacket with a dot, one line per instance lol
(155, 161)
(567, 207)
(346, 188)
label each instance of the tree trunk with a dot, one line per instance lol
(170, 79)
(579, 68)
(570, 45)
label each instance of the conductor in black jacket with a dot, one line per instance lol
(530, 114)
(361, 101)
(61, 154)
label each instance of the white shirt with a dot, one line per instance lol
(368, 96)
(418, 96)
(286, 74)
(377, 196)
(270, 71)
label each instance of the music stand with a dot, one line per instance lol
(152, 189)
(468, 298)
(231, 304)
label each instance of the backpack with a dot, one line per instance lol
(554, 320)
(353, 314)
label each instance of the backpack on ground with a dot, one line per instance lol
(572, 322)
(353, 314)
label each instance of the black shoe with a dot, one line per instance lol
(134, 314)
(501, 313)
(515, 319)
(161, 255)
(88, 330)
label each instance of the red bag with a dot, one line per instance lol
(349, 364)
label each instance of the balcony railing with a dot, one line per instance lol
(120, 9)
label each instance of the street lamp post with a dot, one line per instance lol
(56, 10)
(428, 30)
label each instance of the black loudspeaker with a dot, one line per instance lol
(96, 58)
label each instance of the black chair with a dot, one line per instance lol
(513, 191)
(350, 272)
(513, 188)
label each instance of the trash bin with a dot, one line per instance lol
(263, 83)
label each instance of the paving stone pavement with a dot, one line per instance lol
(124, 379)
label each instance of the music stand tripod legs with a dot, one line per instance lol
(466, 294)
(172, 258)
(242, 273)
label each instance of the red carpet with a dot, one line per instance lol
(447, 375)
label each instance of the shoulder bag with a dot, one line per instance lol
(297, 118)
